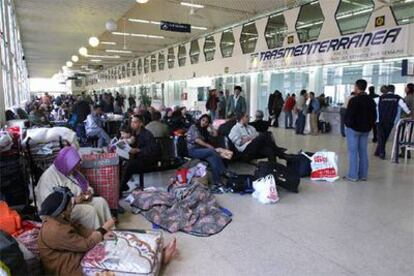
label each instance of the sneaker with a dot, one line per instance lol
(363, 179)
(350, 179)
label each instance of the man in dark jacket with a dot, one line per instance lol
(373, 95)
(277, 107)
(360, 117)
(259, 124)
(144, 152)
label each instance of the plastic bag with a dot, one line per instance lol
(265, 190)
(324, 166)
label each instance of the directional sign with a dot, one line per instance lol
(175, 27)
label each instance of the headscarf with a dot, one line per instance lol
(56, 202)
(67, 159)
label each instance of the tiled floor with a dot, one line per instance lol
(340, 228)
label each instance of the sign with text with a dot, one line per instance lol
(175, 27)
(384, 43)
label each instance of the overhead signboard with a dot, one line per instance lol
(175, 27)
(380, 44)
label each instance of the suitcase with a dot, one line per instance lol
(133, 252)
(242, 183)
(102, 172)
(284, 177)
(299, 163)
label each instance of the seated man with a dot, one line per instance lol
(145, 151)
(156, 127)
(63, 242)
(259, 124)
(248, 141)
(224, 129)
(94, 127)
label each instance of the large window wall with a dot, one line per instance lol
(14, 76)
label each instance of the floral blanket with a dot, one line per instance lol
(191, 209)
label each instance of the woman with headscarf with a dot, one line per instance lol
(199, 146)
(90, 211)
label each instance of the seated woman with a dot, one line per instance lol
(90, 211)
(198, 144)
(63, 242)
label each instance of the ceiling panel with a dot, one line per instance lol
(53, 30)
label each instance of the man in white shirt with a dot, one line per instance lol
(94, 127)
(249, 142)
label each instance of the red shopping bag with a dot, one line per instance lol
(102, 172)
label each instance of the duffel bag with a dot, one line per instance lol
(284, 177)
(11, 258)
(299, 163)
(242, 183)
(102, 172)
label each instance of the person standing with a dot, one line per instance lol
(313, 110)
(288, 109)
(301, 111)
(221, 106)
(360, 117)
(277, 107)
(236, 103)
(342, 112)
(131, 101)
(373, 96)
(270, 106)
(212, 103)
(389, 111)
(409, 98)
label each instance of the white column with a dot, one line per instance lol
(253, 93)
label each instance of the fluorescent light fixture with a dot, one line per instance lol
(75, 58)
(198, 28)
(93, 41)
(142, 1)
(96, 60)
(138, 20)
(155, 22)
(118, 51)
(120, 33)
(310, 24)
(108, 42)
(101, 56)
(138, 35)
(354, 13)
(192, 5)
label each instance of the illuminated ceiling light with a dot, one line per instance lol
(108, 42)
(83, 51)
(138, 35)
(119, 51)
(100, 56)
(198, 28)
(120, 33)
(96, 60)
(142, 1)
(138, 20)
(192, 5)
(93, 41)
(69, 63)
(64, 68)
(111, 25)
(75, 58)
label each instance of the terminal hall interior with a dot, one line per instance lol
(206, 137)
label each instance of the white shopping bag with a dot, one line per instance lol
(265, 190)
(324, 166)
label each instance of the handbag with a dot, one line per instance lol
(242, 183)
(265, 190)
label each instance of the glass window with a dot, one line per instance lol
(128, 72)
(194, 52)
(146, 65)
(310, 20)
(182, 55)
(161, 61)
(227, 43)
(276, 30)
(403, 11)
(134, 68)
(153, 63)
(352, 16)
(123, 75)
(248, 38)
(209, 48)
(171, 58)
(140, 66)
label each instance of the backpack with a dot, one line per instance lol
(242, 183)
(299, 163)
(284, 177)
(11, 258)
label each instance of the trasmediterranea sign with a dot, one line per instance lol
(385, 43)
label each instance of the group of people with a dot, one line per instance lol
(222, 107)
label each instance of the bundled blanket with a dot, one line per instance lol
(191, 209)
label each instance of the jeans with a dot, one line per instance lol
(103, 137)
(213, 114)
(383, 133)
(300, 123)
(213, 159)
(357, 154)
(342, 112)
(288, 119)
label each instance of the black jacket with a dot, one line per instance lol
(361, 113)
(260, 125)
(145, 141)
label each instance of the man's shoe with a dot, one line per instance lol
(350, 179)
